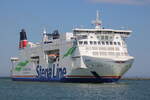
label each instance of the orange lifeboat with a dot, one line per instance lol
(52, 57)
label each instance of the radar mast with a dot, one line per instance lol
(97, 21)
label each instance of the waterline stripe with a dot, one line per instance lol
(79, 76)
(29, 76)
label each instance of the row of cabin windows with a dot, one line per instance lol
(99, 43)
(106, 37)
(103, 48)
(110, 54)
(100, 32)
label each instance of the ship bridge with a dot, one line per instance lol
(98, 30)
(122, 33)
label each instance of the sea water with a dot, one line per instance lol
(122, 90)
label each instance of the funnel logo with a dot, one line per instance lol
(23, 39)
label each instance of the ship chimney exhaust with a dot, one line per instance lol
(23, 39)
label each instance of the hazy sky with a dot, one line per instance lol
(34, 15)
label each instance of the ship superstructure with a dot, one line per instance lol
(84, 55)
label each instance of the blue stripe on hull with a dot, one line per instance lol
(90, 80)
(35, 79)
(73, 80)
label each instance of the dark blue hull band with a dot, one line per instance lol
(73, 80)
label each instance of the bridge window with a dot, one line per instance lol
(117, 37)
(98, 37)
(115, 43)
(118, 43)
(107, 43)
(95, 42)
(102, 37)
(99, 43)
(106, 37)
(80, 42)
(85, 42)
(110, 37)
(103, 43)
(111, 43)
(91, 42)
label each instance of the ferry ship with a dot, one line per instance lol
(83, 55)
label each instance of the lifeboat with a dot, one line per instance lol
(52, 57)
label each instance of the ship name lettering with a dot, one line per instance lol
(51, 72)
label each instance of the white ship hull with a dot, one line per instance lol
(98, 70)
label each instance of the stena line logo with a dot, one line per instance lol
(51, 72)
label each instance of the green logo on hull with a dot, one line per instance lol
(69, 52)
(20, 65)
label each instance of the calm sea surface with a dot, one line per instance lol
(123, 90)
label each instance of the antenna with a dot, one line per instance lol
(45, 38)
(44, 31)
(97, 22)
